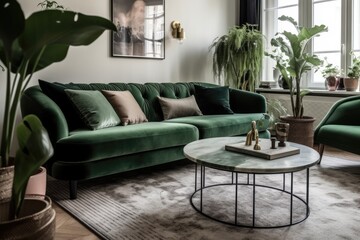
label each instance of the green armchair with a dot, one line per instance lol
(340, 128)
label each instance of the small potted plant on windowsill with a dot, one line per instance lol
(351, 82)
(330, 72)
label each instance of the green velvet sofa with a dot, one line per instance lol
(340, 128)
(82, 154)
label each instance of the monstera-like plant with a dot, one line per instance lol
(27, 46)
(32, 44)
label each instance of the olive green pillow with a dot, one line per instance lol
(93, 108)
(174, 108)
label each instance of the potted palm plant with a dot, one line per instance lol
(293, 62)
(27, 46)
(238, 56)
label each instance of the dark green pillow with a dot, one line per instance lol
(93, 108)
(213, 100)
(56, 92)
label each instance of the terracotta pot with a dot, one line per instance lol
(301, 129)
(351, 84)
(36, 220)
(37, 183)
(6, 182)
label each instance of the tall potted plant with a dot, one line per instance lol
(238, 56)
(293, 61)
(27, 46)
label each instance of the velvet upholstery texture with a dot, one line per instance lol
(85, 145)
(82, 154)
(220, 126)
(125, 106)
(174, 108)
(340, 128)
(93, 108)
(56, 91)
(213, 100)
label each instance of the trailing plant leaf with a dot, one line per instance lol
(238, 56)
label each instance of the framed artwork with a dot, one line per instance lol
(140, 28)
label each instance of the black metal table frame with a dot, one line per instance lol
(254, 185)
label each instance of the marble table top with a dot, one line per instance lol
(211, 153)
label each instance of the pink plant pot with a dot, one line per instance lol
(37, 183)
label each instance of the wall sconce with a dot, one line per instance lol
(177, 31)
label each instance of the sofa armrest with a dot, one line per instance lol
(34, 101)
(247, 102)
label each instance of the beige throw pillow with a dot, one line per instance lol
(125, 106)
(173, 108)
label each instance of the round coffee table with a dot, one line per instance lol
(211, 153)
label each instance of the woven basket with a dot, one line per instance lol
(6, 183)
(36, 220)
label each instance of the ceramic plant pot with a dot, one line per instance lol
(332, 83)
(301, 130)
(37, 183)
(351, 84)
(36, 220)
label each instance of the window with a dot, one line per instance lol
(342, 17)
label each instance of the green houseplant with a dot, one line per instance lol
(330, 72)
(27, 46)
(351, 82)
(238, 56)
(293, 61)
(32, 44)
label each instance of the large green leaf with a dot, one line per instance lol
(34, 150)
(12, 22)
(51, 32)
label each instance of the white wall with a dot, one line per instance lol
(203, 20)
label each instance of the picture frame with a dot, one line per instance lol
(141, 29)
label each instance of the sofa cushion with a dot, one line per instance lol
(55, 91)
(174, 108)
(213, 100)
(125, 106)
(117, 141)
(93, 108)
(223, 125)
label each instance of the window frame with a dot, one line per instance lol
(306, 16)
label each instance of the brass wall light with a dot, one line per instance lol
(177, 31)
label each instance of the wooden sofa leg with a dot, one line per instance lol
(321, 151)
(73, 189)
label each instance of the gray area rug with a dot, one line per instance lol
(154, 204)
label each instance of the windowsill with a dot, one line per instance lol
(314, 92)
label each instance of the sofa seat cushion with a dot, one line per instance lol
(85, 145)
(346, 136)
(223, 125)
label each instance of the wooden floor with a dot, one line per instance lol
(68, 227)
